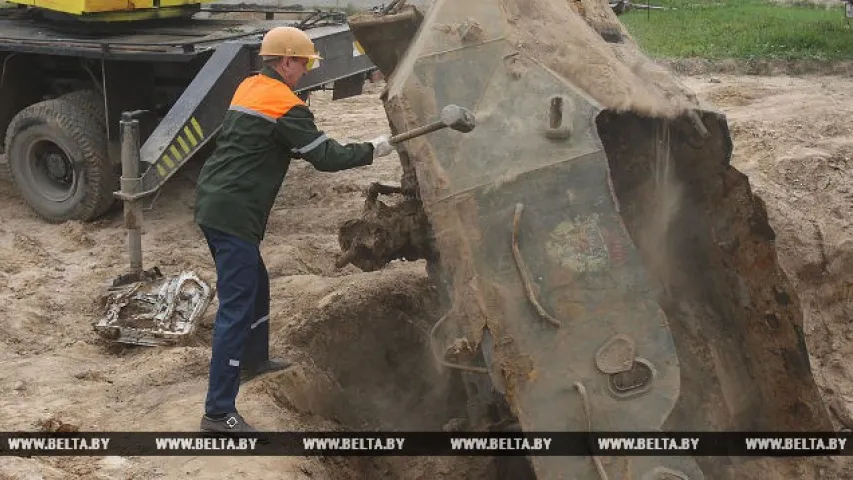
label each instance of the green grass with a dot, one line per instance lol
(742, 29)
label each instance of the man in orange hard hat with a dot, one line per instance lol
(265, 128)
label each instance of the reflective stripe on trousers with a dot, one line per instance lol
(241, 328)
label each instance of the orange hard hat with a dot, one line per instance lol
(288, 42)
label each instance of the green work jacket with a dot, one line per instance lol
(266, 127)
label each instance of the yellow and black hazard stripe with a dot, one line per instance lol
(184, 142)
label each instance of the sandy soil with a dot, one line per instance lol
(793, 137)
(55, 366)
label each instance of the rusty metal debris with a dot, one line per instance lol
(155, 313)
(143, 307)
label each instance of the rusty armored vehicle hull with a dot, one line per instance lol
(605, 267)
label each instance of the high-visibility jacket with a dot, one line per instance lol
(265, 127)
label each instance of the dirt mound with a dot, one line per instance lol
(363, 361)
(614, 72)
(794, 143)
(757, 66)
(728, 96)
(383, 321)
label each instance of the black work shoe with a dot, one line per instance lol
(268, 366)
(231, 424)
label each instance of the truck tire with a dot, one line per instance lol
(91, 103)
(57, 159)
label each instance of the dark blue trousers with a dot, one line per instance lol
(241, 328)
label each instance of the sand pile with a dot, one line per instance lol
(614, 72)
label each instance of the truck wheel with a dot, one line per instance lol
(91, 103)
(58, 160)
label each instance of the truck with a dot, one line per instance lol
(70, 68)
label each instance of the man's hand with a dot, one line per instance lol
(381, 147)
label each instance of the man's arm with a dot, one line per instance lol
(298, 130)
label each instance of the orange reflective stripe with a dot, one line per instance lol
(265, 97)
